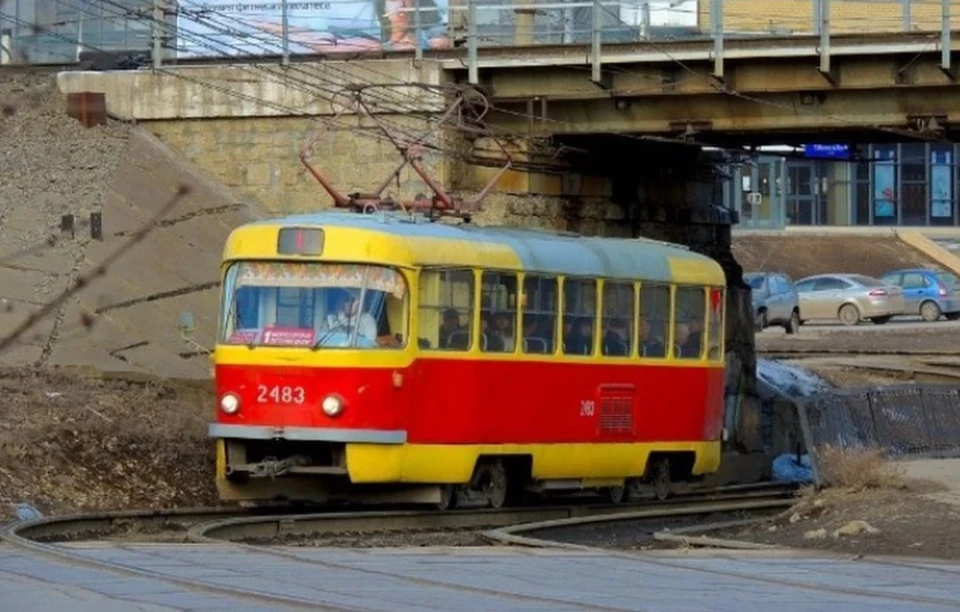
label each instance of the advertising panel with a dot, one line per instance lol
(207, 28)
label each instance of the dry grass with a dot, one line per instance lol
(857, 470)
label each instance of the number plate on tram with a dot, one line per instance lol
(280, 394)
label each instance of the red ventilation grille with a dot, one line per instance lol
(616, 411)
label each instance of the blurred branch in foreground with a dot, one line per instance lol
(85, 279)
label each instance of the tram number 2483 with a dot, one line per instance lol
(278, 394)
(586, 408)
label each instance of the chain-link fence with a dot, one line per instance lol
(901, 420)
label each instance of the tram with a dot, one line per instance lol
(391, 357)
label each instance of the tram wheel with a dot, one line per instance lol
(448, 497)
(615, 494)
(661, 479)
(491, 481)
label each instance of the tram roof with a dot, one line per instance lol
(537, 250)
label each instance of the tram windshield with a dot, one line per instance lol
(314, 305)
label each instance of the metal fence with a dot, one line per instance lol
(901, 420)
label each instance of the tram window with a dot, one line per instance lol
(295, 307)
(689, 317)
(652, 333)
(715, 323)
(316, 305)
(579, 316)
(617, 319)
(539, 314)
(446, 309)
(498, 312)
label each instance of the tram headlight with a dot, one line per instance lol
(230, 403)
(332, 405)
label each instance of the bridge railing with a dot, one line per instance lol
(908, 420)
(173, 29)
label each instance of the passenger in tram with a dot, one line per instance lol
(681, 336)
(503, 328)
(450, 324)
(651, 343)
(491, 342)
(616, 341)
(580, 340)
(695, 340)
(533, 342)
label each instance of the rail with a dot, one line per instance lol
(285, 29)
(26, 536)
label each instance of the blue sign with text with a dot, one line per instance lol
(826, 151)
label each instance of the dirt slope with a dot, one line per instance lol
(69, 443)
(803, 255)
(53, 166)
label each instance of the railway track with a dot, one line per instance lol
(231, 528)
(512, 535)
(826, 353)
(921, 367)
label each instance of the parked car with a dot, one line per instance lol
(851, 298)
(775, 300)
(928, 293)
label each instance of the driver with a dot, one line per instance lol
(349, 316)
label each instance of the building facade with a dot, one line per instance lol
(905, 184)
(56, 31)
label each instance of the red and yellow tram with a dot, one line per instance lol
(387, 357)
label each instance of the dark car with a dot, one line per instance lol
(775, 300)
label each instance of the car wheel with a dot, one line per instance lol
(760, 321)
(793, 324)
(849, 314)
(929, 311)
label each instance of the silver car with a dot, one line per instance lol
(851, 298)
(775, 300)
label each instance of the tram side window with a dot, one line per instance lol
(688, 329)
(617, 319)
(715, 323)
(446, 309)
(652, 333)
(539, 314)
(579, 316)
(498, 312)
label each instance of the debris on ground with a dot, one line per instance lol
(883, 519)
(788, 468)
(102, 444)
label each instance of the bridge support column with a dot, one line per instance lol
(680, 206)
